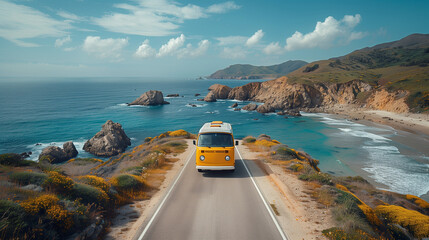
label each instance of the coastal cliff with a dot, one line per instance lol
(392, 77)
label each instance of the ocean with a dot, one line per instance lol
(37, 113)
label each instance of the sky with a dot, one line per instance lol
(188, 39)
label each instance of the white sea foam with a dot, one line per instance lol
(213, 112)
(195, 105)
(120, 105)
(37, 148)
(399, 173)
(362, 134)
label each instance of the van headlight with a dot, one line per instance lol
(227, 158)
(202, 157)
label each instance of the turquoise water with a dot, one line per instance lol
(34, 115)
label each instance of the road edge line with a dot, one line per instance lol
(282, 234)
(165, 198)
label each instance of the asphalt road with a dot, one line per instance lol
(212, 205)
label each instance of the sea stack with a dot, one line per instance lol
(150, 98)
(54, 154)
(110, 141)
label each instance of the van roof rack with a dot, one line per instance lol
(216, 122)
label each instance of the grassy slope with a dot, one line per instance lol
(400, 65)
(246, 70)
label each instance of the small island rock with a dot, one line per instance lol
(53, 154)
(250, 107)
(173, 95)
(110, 141)
(150, 98)
(234, 105)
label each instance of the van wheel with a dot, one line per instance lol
(200, 170)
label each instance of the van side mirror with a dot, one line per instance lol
(194, 142)
(236, 142)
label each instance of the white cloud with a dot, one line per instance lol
(233, 53)
(255, 38)
(222, 7)
(145, 50)
(105, 48)
(61, 41)
(70, 16)
(172, 46)
(326, 34)
(273, 48)
(231, 40)
(189, 51)
(19, 22)
(156, 17)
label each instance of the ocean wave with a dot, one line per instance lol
(37, 148)
(120, 105)
(339, 122)
(362, 134)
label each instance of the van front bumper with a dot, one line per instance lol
(216, 168)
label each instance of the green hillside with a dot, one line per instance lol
(247, 71)
(399, 65)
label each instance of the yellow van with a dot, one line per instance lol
(215, 147)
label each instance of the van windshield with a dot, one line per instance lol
(215, 140)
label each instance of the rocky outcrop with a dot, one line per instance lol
(265, 108)
(217, 91)
(54, 154)
(110, 141)
(234, 105)
(150, 98)
(173, 95)
(210, 97)
(245, 92)
(250, 107)
(70, 149)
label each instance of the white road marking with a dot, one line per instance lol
(263, 199)
(165, 198)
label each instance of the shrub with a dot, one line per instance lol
(297, 167)
(127, 182)
(147, 139)
(47, 206)
(422, 203)
(89, 194)
(26, 178)
(95, 181)
(322, 178)
(286, 152)
(265, 143)
(416, 223)
(13, 220)
(180, 133)
(14, 159)
(59, 182)
(310, 69)
(339, 234)
(249, 139)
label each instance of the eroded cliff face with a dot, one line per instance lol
(392, 102)
(278, 94)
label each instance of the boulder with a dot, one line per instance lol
(237, 109)
(250, 107)
(234, 105)
(265, 108)
(200, 99)
(110, 141)
(197, 94)
(173, 95)
(210, 97)
(70, 149)
(293, 112)
(220, 91)
(150, 98)
(53, 154)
